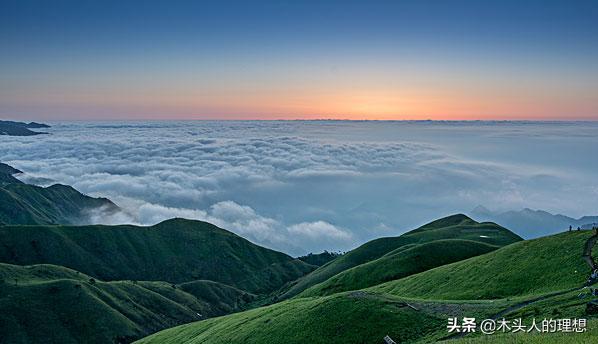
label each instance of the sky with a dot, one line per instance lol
(308, 186)
(118, 60)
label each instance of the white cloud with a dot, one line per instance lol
(305, 186)
(318, 230)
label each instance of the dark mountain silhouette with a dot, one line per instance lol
(13, 128)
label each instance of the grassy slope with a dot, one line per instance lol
(404, 261)
(341, 318)
(568, 305)
(349, 317)
(29, 204)
(524, 268)
(514, 273)
(451, 227)
(176, 251)
(589, 337)
(47, 303)
(366, 317)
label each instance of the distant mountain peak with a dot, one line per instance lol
(34, 125)
(451, 220)
(480, 209)
(456, 217)
(13, 128)
(531, 223)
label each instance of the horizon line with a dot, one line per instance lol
(295, 120)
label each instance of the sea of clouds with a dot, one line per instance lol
(308, 186)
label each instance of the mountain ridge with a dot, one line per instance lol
(195, 250)
(530, 223)
(49, 303)
(415, 309)
(26, 204)
(13, 128)
(458, 226)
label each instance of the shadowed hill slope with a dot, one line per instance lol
(48, 303)
(24, 204)
(176, 251)
(30, 205)
(6, 174)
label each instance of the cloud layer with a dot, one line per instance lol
(309, 186)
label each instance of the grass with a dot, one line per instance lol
(588, 337)
(175, 251)
(30, 205)
(47, 303)
(349, 317)
(497, 283)
(530, 267)
(366, 317)
(567, 305)
(451, 227)
(404, 261)
(341, 318)
(181, 271)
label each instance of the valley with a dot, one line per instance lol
(188, 281)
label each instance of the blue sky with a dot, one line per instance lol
(299, 59)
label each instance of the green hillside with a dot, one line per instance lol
(48, 303)
(176, 251)
(589, 337)
(451, 227)
(29, 205)
(341, 318)
(26, 204)
(366, 317)
(401, 262)
(348, 317)
(525, 268)
(537, 278)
